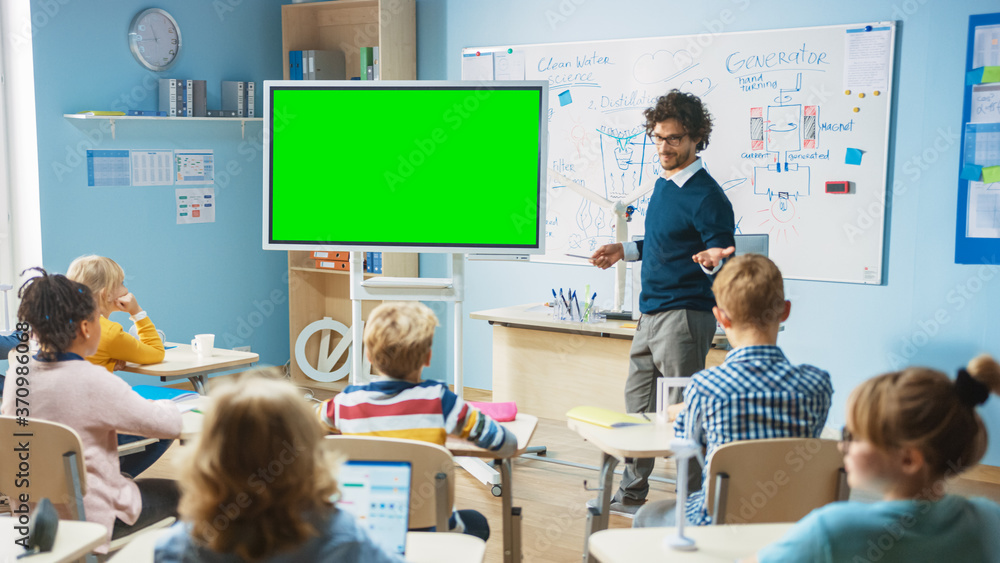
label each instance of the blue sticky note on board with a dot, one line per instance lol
(853, 157)
(565, 98)
(971, 172)
(974, 76)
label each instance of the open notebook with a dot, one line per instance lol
(377, 493)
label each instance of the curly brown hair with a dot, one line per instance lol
(258, 470)
(53, 306)
(688, 110)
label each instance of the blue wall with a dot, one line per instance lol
(190, 278)
(929, 312)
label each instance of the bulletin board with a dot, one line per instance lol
(977, 236)
(793, 110)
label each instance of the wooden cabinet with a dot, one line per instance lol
(347, 25)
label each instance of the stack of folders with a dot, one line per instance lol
(314, 64)
(336, 260)
(238, 98)
(182, 98)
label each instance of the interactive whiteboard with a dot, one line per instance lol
(799, 143)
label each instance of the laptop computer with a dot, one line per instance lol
(377, 493)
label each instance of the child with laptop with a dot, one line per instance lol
(67, 389)
(907, 432)
(756, 393)
(398, 337)
(267, 498)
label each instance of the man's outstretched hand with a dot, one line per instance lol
(606, 256)
(712, 257)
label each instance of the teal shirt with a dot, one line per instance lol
(953, 529)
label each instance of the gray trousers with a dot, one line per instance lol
(667, 344)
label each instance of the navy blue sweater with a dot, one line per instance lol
(681, 222)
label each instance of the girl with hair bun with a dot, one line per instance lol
(907, 432)
(66, 388)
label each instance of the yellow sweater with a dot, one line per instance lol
(116, 344)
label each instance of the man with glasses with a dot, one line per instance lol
(689, 232)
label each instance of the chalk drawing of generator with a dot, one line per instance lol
(784, 129)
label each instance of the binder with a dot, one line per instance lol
(168, 96)
(189, 98)
(233, 97)
(199, 99)
(221, 113)
(375, 63)
(378, 263)
(330, 255)
(341, 265)
(325, 64)
(369, 261)
(295, 65)
(250, 99)
(366, 62)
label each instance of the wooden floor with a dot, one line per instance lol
(552, 497)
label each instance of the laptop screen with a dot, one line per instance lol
(377, 493)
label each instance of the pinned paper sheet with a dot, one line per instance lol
(508, 66)
(108, 168)
(853, 156)
(986, 46)
(982, 144)
(195, 205)
(152, 168)
(195, 167)
(565, 98)
(477, 66)
(985, 103)
(866, 58)
(971, 172)
(991, 174)
(983, 220)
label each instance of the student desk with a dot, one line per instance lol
(715, 543)
(74, 540)
(523, 426)
(616, 444)
(549, 367)
(421, 547)
(180, 362)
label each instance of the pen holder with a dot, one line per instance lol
(560, 312)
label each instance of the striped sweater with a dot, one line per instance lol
(426, 411)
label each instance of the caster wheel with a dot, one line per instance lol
(497, 490)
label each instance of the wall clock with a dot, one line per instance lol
(154, 39)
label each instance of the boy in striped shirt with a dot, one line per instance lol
(397, 404)
(756, 393)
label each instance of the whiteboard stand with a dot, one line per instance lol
(449, 290)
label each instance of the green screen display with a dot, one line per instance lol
(399, 166)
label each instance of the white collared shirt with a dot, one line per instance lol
(680, 178)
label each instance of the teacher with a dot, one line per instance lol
(689, 232)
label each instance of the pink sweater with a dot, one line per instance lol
(97, 405)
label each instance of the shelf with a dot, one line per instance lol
(114, 118)
(326, 271)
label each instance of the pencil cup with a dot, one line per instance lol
(203, 344)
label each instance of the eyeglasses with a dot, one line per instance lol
(672, 140)
(846, 437)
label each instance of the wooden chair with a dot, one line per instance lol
(774, 480)
(432, 481)
(56, 467)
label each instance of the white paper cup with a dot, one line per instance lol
(203, 344)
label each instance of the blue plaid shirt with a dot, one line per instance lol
(756, 393)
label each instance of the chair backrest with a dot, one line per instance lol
(773, 480)
(432, 481)
(55, 462)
